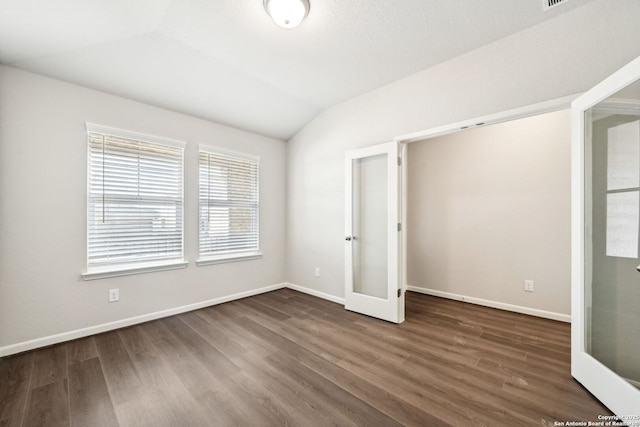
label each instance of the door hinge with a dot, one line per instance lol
(399, 293)
(399, 161)
(399, 227)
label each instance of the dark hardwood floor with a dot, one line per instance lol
(287, 358)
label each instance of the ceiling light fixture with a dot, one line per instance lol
(287, 13)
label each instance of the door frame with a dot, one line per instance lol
(617, 394)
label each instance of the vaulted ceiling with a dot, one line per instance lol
(226, 61)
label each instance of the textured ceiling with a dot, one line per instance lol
(226, 61)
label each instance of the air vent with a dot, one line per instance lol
(548, 4)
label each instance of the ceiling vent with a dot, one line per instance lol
(548, 4)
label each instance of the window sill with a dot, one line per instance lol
(104, 273)
(233, 257)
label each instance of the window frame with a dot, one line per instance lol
(127, 268)
(229, 256)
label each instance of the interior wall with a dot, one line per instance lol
(562, 56)
(488, 209)
(43, 211)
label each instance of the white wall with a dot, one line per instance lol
(488, 209)
(563, 56)
(43, 211)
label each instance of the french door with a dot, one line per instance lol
(374, 265)
(605, 338)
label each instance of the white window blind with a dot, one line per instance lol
(135, 199)
(228, 201)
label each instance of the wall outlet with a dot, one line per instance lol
(114, 295)
(317, 271)
(528, 286)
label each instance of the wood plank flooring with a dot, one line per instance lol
(287, 358)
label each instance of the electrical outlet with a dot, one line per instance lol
(317, 271)
(114, 295)
(528, 286)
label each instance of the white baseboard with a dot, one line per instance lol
(315, 293)
(494, 304)
(92, 330)
(105, 327)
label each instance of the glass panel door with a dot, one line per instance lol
(606, 270)
(373, 251)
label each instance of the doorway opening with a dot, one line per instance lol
(489, 211)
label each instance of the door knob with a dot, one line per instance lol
(638, 268)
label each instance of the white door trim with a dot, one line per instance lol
(503, 116)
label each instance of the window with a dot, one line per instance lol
(228, 206)
(134, 203)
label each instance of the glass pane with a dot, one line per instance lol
(612, 294)
(369, 244)
(622, 224)
(623, 156)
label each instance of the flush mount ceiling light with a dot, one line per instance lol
(287, 13)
